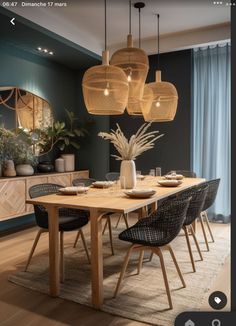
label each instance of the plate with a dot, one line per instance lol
(140, 193)
(140, 176)
(102, 184)
(73, 190)
(169, 183)
(174, 177)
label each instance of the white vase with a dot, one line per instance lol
(60, 165)
(24, 169)
(127, 174)
(69, 162)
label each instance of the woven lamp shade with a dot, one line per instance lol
(164, 103)
(144, 104)
(134, 63)
(105, 89)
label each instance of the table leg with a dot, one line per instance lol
(154, 206)
(96, 258)
(54, 271)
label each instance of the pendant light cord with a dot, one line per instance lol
(158, 41)
(129, 16)
(139, 32)
(105, 7)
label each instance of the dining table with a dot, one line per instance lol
(98, 201)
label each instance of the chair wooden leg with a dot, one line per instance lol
(126, 220)
(176, 265)
(118, 221)
(85, 245)
(123, 270)
(33, 247)
(189, 247)
(163, 268)
(105, 225)
(76, 239)
(140, 261)
(204, 232)
(62, 267)
(208, 226)
(196, 242)
(151, 256)
(110, 234)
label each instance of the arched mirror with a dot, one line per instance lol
(22, 109)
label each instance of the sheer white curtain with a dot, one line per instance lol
(211, 155)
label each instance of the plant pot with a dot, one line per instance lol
(45, 167)
(69, 162)
(24, 169)
(9, 169)
(128, 174)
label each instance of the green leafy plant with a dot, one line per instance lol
(63, 135)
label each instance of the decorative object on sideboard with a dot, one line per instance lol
(45, 167)
(130, 149)
(24, 169)
(9, 168)
(60, 165)
(165, 96)
(105, 86)
(69, 162)
(134, 62)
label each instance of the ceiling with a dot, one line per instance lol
(82, 21)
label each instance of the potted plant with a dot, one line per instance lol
(63, 136)
(130, 149)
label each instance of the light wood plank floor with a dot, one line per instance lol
(20, 306)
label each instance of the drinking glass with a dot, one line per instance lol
(152, 172)
(80, 186)
(138, 172)
(158, 171)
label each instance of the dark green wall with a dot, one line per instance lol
(173, 150)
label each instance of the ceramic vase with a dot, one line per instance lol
(69, 162)
(24, 169)
(9, 169)
(128, 174)
(60, 165)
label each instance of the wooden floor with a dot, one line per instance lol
(20, 306)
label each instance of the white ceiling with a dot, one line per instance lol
(82, 22)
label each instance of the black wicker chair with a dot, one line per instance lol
(112, 176)
(210, 198)
(198, 195)
(185, 173)
(70, 219)
(86, 181)
(155, 233)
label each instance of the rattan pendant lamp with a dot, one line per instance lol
(134, 63)
(165, 96)
(105, 87)
(135, 108)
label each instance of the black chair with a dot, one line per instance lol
(86, 181)
(198, 195)
(185, 173)
(155, 233)
(112, 176)
(213, 186)
(70, 219)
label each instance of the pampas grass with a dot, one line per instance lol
(130, 149)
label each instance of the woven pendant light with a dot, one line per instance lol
(135, 108)
(165, 97)
(105, 87)
(134, 63)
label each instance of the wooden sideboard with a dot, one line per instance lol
(14, 191)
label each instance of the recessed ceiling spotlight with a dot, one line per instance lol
(51, 53)
(45, 51)
(39, 48)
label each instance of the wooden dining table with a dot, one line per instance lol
(98, 202)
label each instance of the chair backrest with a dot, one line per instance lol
(86, 181)
(169, 218)
(112, 176)
(198, 196)
(211, 193)
(185, 173)
(39, 190)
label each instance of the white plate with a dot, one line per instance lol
(73, 190)
(169, 183)
(102, 184)
(140, 193)
(140, 176)
(174, 177)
